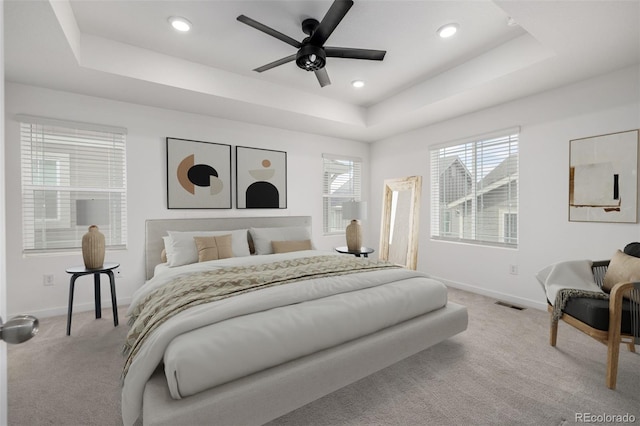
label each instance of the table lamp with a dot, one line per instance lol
(92, 213)
(354, 211)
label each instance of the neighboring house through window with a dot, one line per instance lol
(342, 181)
(63, 162)
(474, 190)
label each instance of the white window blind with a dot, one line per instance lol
(342, 181)
(63, 162)
(474, 191)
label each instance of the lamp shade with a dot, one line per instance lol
(92, 212)
(354, 210)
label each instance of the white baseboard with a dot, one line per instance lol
(515, 300)
(82, 307)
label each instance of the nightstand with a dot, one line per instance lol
(364, 251)
(78, 271)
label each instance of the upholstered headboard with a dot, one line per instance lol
(155, 229)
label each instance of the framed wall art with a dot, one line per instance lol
(198, 175)
(261, 178)
(603, 178)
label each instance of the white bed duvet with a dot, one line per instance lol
(218, 342)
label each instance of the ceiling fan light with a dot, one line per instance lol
(357, 83)
(180, 24)
(311, 58)
(447, 30)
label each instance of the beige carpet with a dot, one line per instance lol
(500, 371)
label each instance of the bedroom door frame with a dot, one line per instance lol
(3, 257)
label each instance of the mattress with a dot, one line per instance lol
(222, 341)
(228, 350)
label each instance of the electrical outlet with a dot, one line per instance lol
(513, 269)
(47, 279)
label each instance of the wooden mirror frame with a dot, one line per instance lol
(414, 185)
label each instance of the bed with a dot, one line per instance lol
(296, 324)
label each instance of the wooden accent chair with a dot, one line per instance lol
(611, 322)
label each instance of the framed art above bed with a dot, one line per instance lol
(198, 175)
(261, 178)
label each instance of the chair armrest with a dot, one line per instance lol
(615, 306)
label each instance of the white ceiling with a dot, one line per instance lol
(126, 50)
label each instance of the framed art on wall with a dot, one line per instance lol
(603, 178)
(198, 175)
(261, 178)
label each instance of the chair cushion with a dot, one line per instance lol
(595, 312)
(622, 268)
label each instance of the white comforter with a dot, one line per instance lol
(218, 342)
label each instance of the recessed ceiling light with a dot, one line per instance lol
(180, 24)
(448, 30)
(357, 83)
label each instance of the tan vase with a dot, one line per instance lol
(354, 236)
(93, 248)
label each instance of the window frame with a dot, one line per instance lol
(355, 169)
(459, 171)
(75, 148)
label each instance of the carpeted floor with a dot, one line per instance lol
(500, 371)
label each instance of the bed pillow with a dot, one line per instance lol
(213, 247)
(163, 254)
(183, 250)
(289, 246)
(262, 237)
(622, 268)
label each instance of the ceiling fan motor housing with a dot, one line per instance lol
(311, 58)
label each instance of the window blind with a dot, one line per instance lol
(474, 191)
(63, 162)
(342, 181)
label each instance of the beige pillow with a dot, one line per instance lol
(289, 246)
(622, 268)
(213, 247)
(163, 255)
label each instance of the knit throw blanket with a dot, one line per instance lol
(563, 296)
(204, 287)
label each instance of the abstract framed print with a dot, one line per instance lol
(603, 178)
(198, 175)
(261, 178)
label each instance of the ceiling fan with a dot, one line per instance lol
(312, 54)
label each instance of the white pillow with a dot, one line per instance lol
(262, 237)
(167, 247)
(183, 250)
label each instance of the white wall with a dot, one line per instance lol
(606, 104)
(146, 170)
(548, 121)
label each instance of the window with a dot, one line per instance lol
(342, 180)
(63, 162)
(474, 191)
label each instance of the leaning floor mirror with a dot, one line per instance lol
(400, 214)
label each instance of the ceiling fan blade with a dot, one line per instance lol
(348, 52)
(323, 77)
(331, 19)
(268, 30)
(276, 63)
